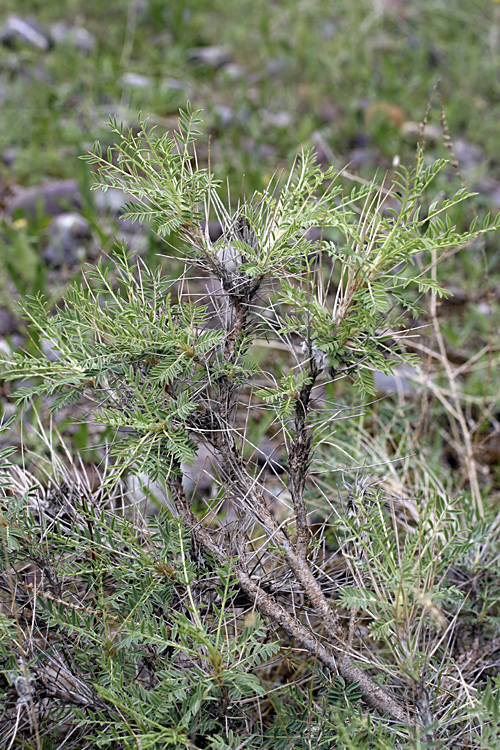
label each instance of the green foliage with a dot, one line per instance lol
(157, 171)
(148, 664)
(147, 362)
(163, 652)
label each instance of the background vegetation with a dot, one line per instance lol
(354, 81)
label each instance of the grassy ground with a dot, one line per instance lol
(355, 71)
(354, 79)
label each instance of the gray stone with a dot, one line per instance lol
(234, 72)
(363, 156)
(112, 200)
(149, 497)
(174, 84)
(399, 382)
(224, 115)
(214, 229)
(214, 57)
(137, 81)
(10, 155)
(142, 8)
(8, 324)
(268, 458)
(490, 188)
(48, 350)
(14, 343)
(330, 29)
(51, 198)
(468, 154)
(137, 241)
(282, 120)
(276, 66)
(146, 496)
(76, 36)
(198, 479)
(38, 72)
(229, 116)
(163, 39)
(411, 131)
(68, 239)
(19, 30)
(458, 295)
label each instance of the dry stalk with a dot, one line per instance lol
(299, 458)
(212, 425)
(458, 414)
(331, 654)
(213, 428)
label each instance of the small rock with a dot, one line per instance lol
(281, 120)
(137, 241)
(268, 458)
(38, 72)
(267, 152)
(69, 234)
(147, 496)
(363, 156)
(52, 198)
(214, 229)
(263, 151)
(197, 480)
(142, 8)
(213, 57)
(48, 350)
(76, 36)
(8, 323)
(490, 188)
(328, 113)
(6, 348)
(164, 39)
(468, 154)
(458, 295)
(411, 131)
(229, 116)
(315, 234)
(330, 29)
(10, 155)
(174, 84)
(19, 30)
(399, 382)
(224, 115)
(112, 201)
(137, 81)
(276, 66)
(234, 72)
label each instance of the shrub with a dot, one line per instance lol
(125, 631)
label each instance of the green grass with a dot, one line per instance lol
(351, 75)
(353, 72)
(334, 67)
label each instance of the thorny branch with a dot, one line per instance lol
(163, 388)
(299, 458)
(330, 654)
(212, 427)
